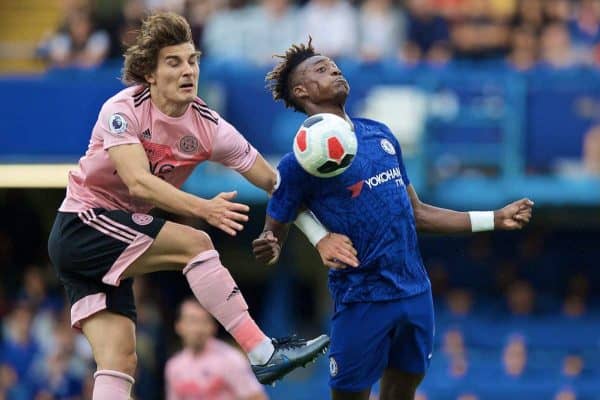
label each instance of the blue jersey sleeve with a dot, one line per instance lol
(399, 155)
(289, 195)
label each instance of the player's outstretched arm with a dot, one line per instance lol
(440, 220)
(261, 174)
(131, 163)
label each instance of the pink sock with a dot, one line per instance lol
(218, 293)
(112, 385)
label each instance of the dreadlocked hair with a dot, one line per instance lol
(278, 80)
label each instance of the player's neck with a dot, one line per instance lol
(333, 109)
(167, 107)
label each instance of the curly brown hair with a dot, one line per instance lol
(278, 79)
(158, 30)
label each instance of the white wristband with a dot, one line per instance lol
(481, 221)
(311, 227)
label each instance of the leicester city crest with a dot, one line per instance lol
(117, 123)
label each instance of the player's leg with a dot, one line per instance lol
(399, 385)
(411, 349)
(361, 336)
(81, 256)
(180, 247)
(112, 338)
(171, 246)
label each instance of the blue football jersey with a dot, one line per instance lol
(369, 203)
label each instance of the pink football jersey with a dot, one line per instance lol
(219, 372)
(174, 146)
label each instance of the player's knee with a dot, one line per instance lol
(199, 242)
(125, 362)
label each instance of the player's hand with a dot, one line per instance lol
(266, 248)
(337, 251)
(224, 214)
(514, 216)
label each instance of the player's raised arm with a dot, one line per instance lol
(131, 163)
(440, 220)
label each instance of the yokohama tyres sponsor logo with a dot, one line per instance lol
(384, 177)
(376, 180)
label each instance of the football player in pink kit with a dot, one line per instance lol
(207, 368)
(146, 142)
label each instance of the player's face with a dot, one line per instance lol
(195, 325)
(176, 75)
(321, 81)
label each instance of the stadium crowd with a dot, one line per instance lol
(508, 309)
(511, 309)
(522, 33)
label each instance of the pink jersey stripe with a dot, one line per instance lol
(87, 306)
(118, 225)
(127, 257)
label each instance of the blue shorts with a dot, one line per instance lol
(367, 338)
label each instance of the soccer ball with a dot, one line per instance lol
(325, 145)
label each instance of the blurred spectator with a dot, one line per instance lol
(197, 13)
(514, 357)
(10, 388)
(591, 151)
(223, 35)
(530, 13)
(558, 10)
(479, 33)
(565, 394)
(520, 298)
(524, 48)
(78, 44)
(572, 365)
(262, 20)
(585, 29)
(428, 34)
(56, 381)
(458, 367)
(574, 306)
(382, 30)
(556, 50)
(207, 367)
(34, 292)
(453, 343)
(332, 25)
(460, 302)
(18, 352)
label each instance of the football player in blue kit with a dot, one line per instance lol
(383, 324)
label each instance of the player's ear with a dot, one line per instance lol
(150, 78)
(300, 92)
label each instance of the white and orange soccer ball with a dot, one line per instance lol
(325, 145)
